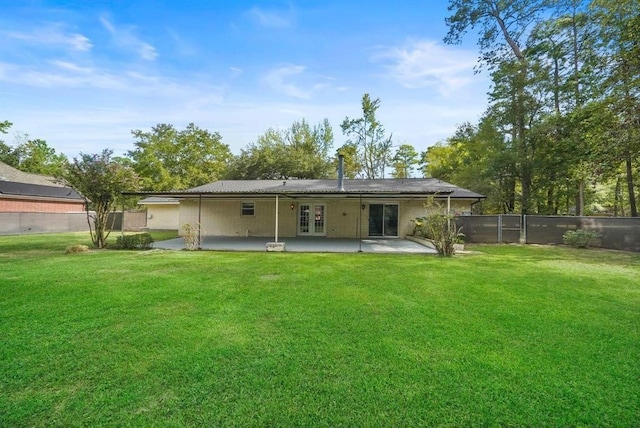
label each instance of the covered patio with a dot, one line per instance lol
(304, 245)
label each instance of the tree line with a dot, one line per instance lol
(561, 133)
(165, 158)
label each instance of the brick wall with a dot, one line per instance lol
(38, 206)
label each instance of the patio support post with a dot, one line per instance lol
(276, 240)
(360, 224)
(200, 221)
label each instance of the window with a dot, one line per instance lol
(248, 208)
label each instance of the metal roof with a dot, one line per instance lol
(293, 188)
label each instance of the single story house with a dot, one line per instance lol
(162, 213)
(34, 193)
(342, 208)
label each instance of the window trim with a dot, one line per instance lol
(247, 209)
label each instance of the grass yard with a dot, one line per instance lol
(518, 336)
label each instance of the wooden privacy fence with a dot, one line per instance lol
(134, 221)
(618, 233)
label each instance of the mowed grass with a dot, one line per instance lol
(518, 336)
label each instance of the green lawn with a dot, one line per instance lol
(518, 336)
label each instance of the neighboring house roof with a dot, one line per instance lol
(10, 188)
(382, 187)
(9, 173)
(14, 182)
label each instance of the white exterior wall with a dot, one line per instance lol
(223, 217)
(163, 217)
(342, 216)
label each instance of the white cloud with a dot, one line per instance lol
(53, 35)
(280, 79)
(426, 63)
(271, 19)
(125, 38)
(294, 81)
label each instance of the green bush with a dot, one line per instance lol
(441, 230)
(580, 238)
(77, 248)
(140, 241)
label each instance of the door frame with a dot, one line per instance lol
(312, 209)
(384, 234)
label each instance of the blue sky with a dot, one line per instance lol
(82, 74)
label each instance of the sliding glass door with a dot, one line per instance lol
(383, 220)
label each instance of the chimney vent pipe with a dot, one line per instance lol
(341, 173)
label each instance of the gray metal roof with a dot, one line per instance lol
(383, 187)
(156, 200)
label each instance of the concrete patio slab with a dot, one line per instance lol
(304, 245)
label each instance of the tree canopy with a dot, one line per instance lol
(367, 135)
(169, 159)
(297, 152)
(100, 180)
(560, 134)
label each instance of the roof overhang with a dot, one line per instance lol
(296, 195)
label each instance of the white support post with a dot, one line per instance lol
(276, 240)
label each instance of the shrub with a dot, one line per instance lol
(77, 248)
(580, 238)
(191, 235)
(441, 230)
(140, 241)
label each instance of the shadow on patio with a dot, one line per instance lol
(304, 245)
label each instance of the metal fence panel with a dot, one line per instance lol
(479, 228)
(618, 233)
(511, 228)
(549, 229)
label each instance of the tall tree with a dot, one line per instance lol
(169, 159)
(367, 134)
(37, 157)
(619, 23)
(297, 152)
(404, 160)
(100, 181)
(8, 154)
(502, 25)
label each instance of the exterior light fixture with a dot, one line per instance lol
(293, 206)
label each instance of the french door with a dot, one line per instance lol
(383, 220)
(311, 219)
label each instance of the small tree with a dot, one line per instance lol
(100, 180)
(439, 228)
